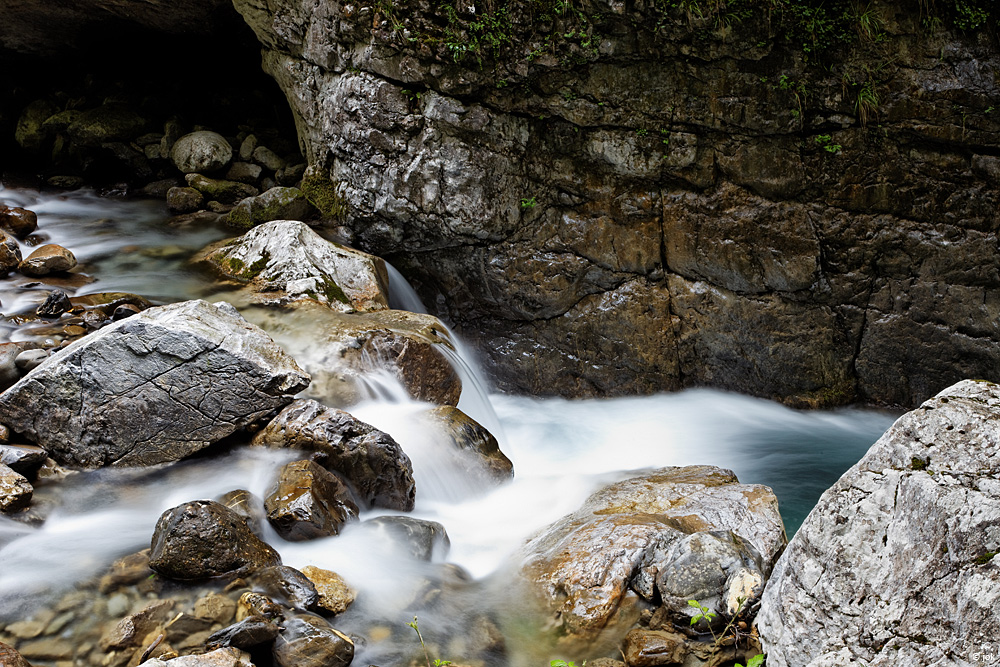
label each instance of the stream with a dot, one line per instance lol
(562, 451)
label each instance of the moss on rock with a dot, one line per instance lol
(322, 193)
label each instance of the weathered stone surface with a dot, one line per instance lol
(46, 259)
(270, 160)
(278, 203)
(9, 371)
(310, 642)
(203, 539)
(341, 349)
(201, 152)
(308, 502)
(222, 657)
(22, 459)
(335, 596)
(152, 388)
(424, 540)
(896, 563)
(184, 200)
(106, 124)
(11, 658)
(15, 490)
(218, 608)
(285, 259)
(251, 631)
(676, 161)
(227, 192)
(244, 504)
(286, 585)
(479, 450)
(582, 569)
(244, 172)
(55, 304)
(10, 254)
(370, 460)
(131, 630)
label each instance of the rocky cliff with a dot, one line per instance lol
(616, 197)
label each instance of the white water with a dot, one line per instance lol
(561, 450)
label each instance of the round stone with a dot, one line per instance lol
(200, 152)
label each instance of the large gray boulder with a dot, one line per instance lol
(369, 459)
(201, 152)
(285, 259)
(152, 388)
(673, 533)
(896, 564)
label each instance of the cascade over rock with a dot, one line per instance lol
(897, 562)
(152, 388)
(659, 203)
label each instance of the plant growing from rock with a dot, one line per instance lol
(437, 662)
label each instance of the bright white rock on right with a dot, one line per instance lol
(896, 564)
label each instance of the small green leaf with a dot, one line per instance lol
(694, 603)
(756, 661)
(695, 619)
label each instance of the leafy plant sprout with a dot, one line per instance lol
(437, 662)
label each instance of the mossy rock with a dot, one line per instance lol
(227, 192)
(322, 193)
(278, 203)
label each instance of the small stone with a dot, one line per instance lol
(219, 207)
(25, 630)
(4, 435)
(10, 253)
(55, 305)
(10, 372)
(244, 172)
(48, 649)
(424, 540)
(307, 643)
(251, 631)
(159, 188)
(183, 625)
(15, 490)
(335, 595)
(218, 608)
(275, 204)
(106, 124)
(131, 630)
(19, 221)
(247, 148)
(264, 156)
(22, 459)
(286, 585)
(118, 605)
(227, 192)
(289, 176)
(201, 151)
(125, 310)
(184, 200)
(46, 259)
(65, 182)
(127, 570)
(30, 359)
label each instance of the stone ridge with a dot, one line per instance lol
(896, 563)
(670, 207)
(152, 388)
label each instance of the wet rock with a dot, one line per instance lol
(183, 625)
(29, 360)
(896, 563)
(424, 540)
(335, 596)
(105, 124)
(244, 172)
(227, 192)
(9, 370)
(48, 649)
(18, 221)
(223, 657)
(186, 375)
(46, 259)
(160, 188)
(10, 254)
(583, 568)
(285, 259)
(126, 571)
(106, 303)
(257, 604)
(278, 203)
(131, 630)
(251, 631)
(369, 459)
(11, 658)
(481, 452)
(201, 152)
(218, 608)
(286, 585)
(15, 490)
(55, 304)
(343, 349)
(308, 502)
(264, 156)
(184, 200)
(125, 310)
(310, 644)
(203, 539)
(22, 459)
(244, 504)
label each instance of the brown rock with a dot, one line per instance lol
(46, 259)
(218, 608)
(15, 490)
(480, 451)
(10, 253)
(335, 596)
(131, 630)
(22, 459)
(309, 642)
(11, 658)
(308, 502)
(19, 221)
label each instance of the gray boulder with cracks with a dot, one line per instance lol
(152, 388)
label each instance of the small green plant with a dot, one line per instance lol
(755, 661)
(703, 613)
(437, 661)
(642, 131)
(528, 203)
(562, 663)
(826, 141)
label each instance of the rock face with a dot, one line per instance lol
(896, 563)
(479, 450)
(151, 388)
(370, 460)
(636, 201)
(341, 351)
(661, 534)
(203, 539)
(287, 259)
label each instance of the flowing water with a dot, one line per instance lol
(562, 451)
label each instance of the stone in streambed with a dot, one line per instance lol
(278, 203)
(55, 304)
(246, 505)
(31, 133)
(285, 259)
(369, 459)
(223, 657)
(308, 502)
(10, 254)
(267, 158)
(9, 353)
(29, 360)
(423, 540)
(285, 585)
(481, 455)
(22, 459)
(131, 630)
(152, 388)
(46, 259)
(184, 200)
(251, 631)
(201, 151)
(203, 539)
(244, 172)
(227, 192)
(343, 348)
(15, 490)
(308, 641)
(11, 658)
(335, 596)
(18, 221)
(901, 551)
